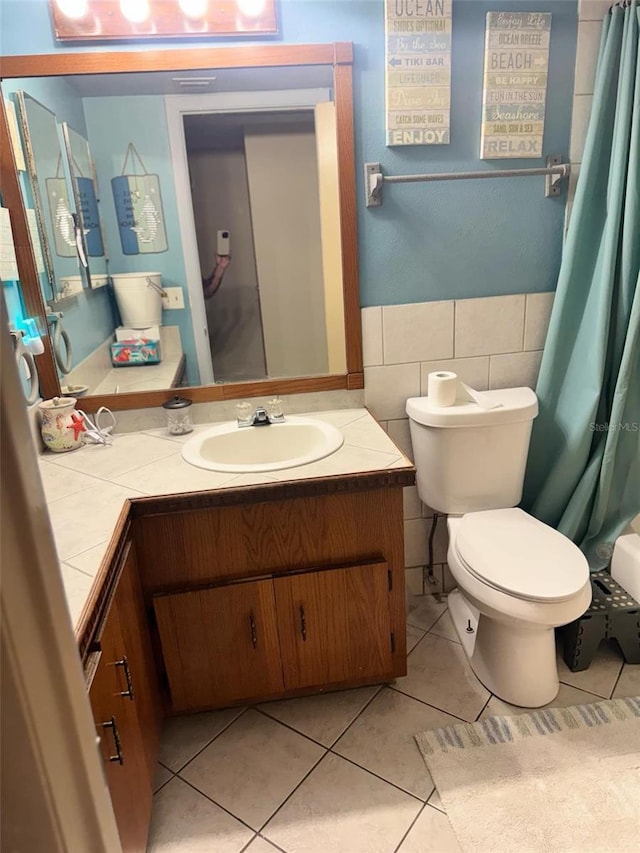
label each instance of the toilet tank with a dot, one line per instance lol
(471, 458)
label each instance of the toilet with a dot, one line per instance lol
(517, 578)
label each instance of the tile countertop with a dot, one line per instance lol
(85, 489)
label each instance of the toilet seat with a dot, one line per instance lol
(515, 553)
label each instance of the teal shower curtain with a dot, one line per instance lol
(583, 473)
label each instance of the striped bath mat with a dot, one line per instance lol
(559, 780)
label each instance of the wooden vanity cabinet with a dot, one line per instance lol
(254, 601)
(247, 641)
(335, 625)
(126, 706)
(128, 603)
(220, 645)
(120, 742)
(262, 593)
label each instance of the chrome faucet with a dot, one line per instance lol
(260, 417)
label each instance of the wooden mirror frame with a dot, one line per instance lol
(340, 56)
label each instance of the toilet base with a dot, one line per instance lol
(517, 664)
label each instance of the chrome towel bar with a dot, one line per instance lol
(554, 171)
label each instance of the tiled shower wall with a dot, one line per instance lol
(493, 342)
(590, 16)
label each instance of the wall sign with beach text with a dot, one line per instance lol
(418, 71)
(516, 62)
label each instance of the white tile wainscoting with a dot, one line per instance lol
(491, 342)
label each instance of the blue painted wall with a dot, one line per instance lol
(428, 241)
(113, 123)
(53, 92)
(88, 317)
(110, 124)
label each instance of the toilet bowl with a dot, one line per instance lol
(518, 580)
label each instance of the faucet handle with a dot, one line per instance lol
(275, 408)
(244, 413)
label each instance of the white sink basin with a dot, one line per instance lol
(227, 447)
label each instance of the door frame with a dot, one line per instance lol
(177, 106)
(44, 694)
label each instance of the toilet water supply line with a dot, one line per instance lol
(427, 574)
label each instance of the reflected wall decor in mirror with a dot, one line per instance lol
(213, 193)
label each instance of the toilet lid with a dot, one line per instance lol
(514, 552)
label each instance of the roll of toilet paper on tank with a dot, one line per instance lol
(442, 388)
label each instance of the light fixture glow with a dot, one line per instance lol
(135, 11)
(251, 8)
(194, 8)
(73, 9)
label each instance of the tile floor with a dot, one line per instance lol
(338, 772)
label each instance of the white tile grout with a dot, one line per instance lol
(262, 838)
(104, 542)
(455, 336)
(211, 800)
(215, 737)
(330, 750)
(68, 565)
(166, 781)
(288, 797)
(422, 702)
(410, 827)
(317, 742)
(378, 776)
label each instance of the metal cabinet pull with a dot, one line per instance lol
(111, 724)
(303, 624)
(124, 663)
(254, 633)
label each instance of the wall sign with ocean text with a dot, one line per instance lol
(516, 62)
(418, 71)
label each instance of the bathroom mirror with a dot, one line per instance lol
(59, 185)
(23, 287)
(48, 191)
(285, 316)
(86, 196)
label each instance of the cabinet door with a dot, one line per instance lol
(220, 645)
(334, 625)
(120, 742)
(140, 675)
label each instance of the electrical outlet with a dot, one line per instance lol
(173, 299)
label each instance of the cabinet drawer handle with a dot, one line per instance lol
(303, 624)
(254, 633)
(124, 663)
(111, 724)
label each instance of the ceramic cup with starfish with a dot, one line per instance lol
(62, 428)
